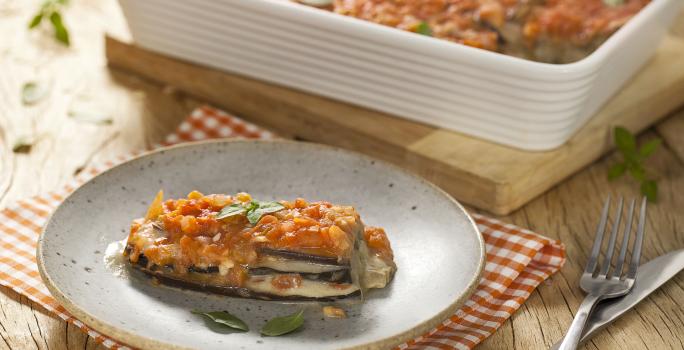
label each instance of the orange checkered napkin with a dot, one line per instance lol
(517, 259)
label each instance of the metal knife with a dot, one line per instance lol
(650, 277)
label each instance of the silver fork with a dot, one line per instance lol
(602, 282)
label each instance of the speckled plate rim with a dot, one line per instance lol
(139, 341)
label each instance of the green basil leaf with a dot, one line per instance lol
(22, 145)
(424, 29)
(231, 210)
(224, 318)
(637, 172)
(632, 159)
(649, 188)
(649, 147)
(252, 205)
(61, 33)
(36, 20)
(32, 92)
(616, 171)
(613, 3)
(253, 217)
(283, 325)
(262, 208)
(86, 116)
(625, 141)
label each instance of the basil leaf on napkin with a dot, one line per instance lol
(224, 318)
(283, 325)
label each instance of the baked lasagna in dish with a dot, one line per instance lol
(554, 31)
(237, 246)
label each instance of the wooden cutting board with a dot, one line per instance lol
(480, 173)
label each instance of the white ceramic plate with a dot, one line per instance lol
(438, 250)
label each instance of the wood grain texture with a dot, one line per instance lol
(486, 175)
(672, 130)
(570, 212)
(144, 112)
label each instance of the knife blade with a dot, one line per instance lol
(650, 277)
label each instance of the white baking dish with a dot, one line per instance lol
(516, 102)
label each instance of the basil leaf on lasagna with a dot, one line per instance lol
(231, 210)
(262, 208)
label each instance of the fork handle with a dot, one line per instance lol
(574, 334)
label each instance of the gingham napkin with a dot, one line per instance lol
(517, 259)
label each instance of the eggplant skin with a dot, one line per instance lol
(232, 291)
(288, 254)
(339, 276)
(161, 273)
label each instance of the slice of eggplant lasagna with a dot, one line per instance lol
(236, 246)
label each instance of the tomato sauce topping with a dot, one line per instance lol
(515, 27)
(578, 21)
(377, 242)
(190, 235)
(454, 20)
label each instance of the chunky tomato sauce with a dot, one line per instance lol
(528, 28)
(186, 233)
(377, 242)
(578, 21)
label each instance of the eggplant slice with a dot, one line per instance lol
(323, 286)
(275, 273)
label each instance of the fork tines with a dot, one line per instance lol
(604, 270)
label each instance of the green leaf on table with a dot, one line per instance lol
(625, 140)
(637, 171)
(424, 29)
(32, 92)
(23, 144)
(649, 147)
(616, 171)
(283, 325)
(231, 210)
(50, 9)
(36, 20)
(225, 319)
(86, 116)
(61, 33)
(649, 188)
(261, 209)
(634, 161)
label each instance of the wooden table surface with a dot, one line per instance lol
(143, 113)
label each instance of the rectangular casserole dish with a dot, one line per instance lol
(508, 100)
